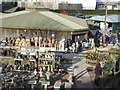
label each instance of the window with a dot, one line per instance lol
(114, 6)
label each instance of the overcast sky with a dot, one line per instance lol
(78, 1)
(69, 1)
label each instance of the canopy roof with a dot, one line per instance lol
(115, 18)
(42, 20)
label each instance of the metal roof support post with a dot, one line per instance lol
(66, 35)
(104, 31)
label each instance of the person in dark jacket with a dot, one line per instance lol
(97, 41)
(80, 47)
(107, 40)
(113, 36)
(119, 37)
(98, 73)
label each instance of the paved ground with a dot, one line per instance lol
(82, 77)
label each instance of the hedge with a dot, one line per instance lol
(87, 11)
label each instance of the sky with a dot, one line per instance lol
(69, 1)
(78, 1)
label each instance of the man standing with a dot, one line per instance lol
(98, 71)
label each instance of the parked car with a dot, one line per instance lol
(87, 17)
(72, 14)
(64, 12)
(80, 16)
(76, 13)
(102, 14)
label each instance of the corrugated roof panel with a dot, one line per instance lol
(36, 20)
(62, 20)
(110, 18)
(79, 21)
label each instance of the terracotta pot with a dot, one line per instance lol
(27, 40)
(23, 40)
(18, 39)
(50, 45)
(16, 42)
(24, 44)
(42, 45)
(101, 58)
(28, 44)
(53, 45)
(53, 41)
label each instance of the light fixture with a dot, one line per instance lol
(53, 35)
(25, 30)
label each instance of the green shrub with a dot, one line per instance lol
(87, 11)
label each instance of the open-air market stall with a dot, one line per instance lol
(109, 60)
(45, 28)
(112, 20)
(107, 67)
(8, 50)
(7, 54)
(29, 58)
(46, 62)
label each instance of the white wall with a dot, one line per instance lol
(109, 7)
(88, 4)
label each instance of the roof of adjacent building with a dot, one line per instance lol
(11, 10)
(115, 18)
(42, 20)
(1, 13)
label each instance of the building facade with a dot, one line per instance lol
(70, 6)
(110, 5)
(112, 20)
(54, 4)
(42, 23)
